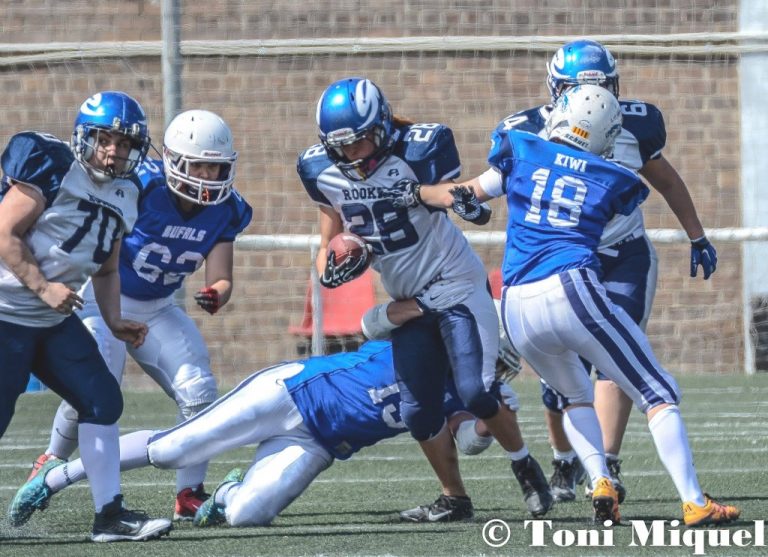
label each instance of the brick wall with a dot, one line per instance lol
(270, 103)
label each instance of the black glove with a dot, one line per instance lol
(336, 275)
(468, 207)
(404, 194)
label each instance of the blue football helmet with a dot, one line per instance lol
(349, 110)
(582, 62)
(115, 112)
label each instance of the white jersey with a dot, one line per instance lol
(74, 235)
(414, 246)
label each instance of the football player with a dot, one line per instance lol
(561, 193)
(367, 155)
(302, 414)
(63, 212)
(189, 213)
(627, 257)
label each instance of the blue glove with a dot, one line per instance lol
(703, 253)
(404, 194)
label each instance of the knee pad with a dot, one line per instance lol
(484, 404)
(422, 423)
(106, 411)
(194, 388)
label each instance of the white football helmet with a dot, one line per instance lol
(198, 136)
(587, 117)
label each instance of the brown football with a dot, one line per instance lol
(348, 246)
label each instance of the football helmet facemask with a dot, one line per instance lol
(349, 110)
(587, 117)
(199, 136)
(114, 112)
(581, 62)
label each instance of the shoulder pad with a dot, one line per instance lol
(646, 123)
(530, 120)
(241, 216)
(310, 164)
(39, 159)
(430, 150)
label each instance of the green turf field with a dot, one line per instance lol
(352, 507)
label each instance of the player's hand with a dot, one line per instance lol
(444, 294)
(404, 194)
(61, 297)
(132, 332)
(336, 275)
(465, 203)
(703, 253)
(208, 298)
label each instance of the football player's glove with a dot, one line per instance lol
(208, 299)
(404, 194)
(336, 275)
(703, 253)
(444, 294)
(468, 207)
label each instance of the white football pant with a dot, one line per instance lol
(259, 410)
(554, 321)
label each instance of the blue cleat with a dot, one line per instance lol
(210, 512)
(33, 495)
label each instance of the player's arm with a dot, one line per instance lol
(19, 210)
(663, 177)
(106, 289)
(379, 321)
(331, 273)
(218, 278)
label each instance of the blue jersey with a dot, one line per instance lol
(642, 139)
(167, 244)
(412, 245)
(351, 400)
(559, 200)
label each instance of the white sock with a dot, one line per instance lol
(63, 432)
(518, 455)
(191, 476)
(100, 453)
(133, 454)
(225, 493)
(567, 456)
(671, 440)
(583, 432)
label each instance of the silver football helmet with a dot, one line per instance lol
(587, 117)
(199, 136)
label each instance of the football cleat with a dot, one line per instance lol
(114, 523)
(563, 482)
(532, 481)
(605, 502)
(614, 467)
(446, 508)
(211, 513)
(711, 513)
(188, 500)
(39, 461)
(33, 496)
